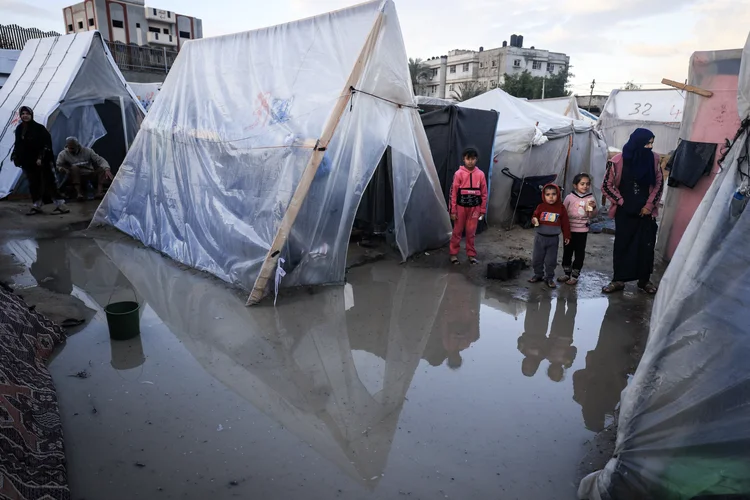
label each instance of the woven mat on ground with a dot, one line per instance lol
(32, 458)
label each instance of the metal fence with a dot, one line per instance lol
(138, 58)
(13, 36)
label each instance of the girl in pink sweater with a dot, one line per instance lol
(581, 207)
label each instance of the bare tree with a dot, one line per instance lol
(631, 86)
(467, 90)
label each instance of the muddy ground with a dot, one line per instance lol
(417, 380)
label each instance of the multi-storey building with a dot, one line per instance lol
(132, 22)
(487, 68)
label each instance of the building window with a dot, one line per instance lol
(450, 87)
(466, 67)
(70, 27)
(494, 63)
(517, 63)
(154, 30)
(166, 31)
(91, 21)
(169, 14)
(184, 34)
(434, 72)
(551, 68)
(137, 25)
(481, 65)
(117, 24)
(492, 84)
(453, 69)
(154, 11)
(536, 65)
(80, 25)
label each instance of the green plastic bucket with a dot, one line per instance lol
(123, 320)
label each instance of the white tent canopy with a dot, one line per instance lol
(213, 171)
(533, 141)
(566, 106)
(658, 110)
(75, 88)
(146, 92)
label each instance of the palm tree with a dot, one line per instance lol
(467, 90)
(418, 70)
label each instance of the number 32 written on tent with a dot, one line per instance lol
(641, 109)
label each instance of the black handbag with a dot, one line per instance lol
(471, 196)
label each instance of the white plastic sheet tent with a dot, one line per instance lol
(657, 110)
(146, 92)
(532, 141)
(566, 106)
(684, 425)
(64, 80)
(211, 173)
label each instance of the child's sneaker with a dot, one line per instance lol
(565, 277)
(574, 277)
(551, 284)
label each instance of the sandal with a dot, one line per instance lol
(35, 211)
(565, 277)
(536, 279)
(61, 210)
(473, 260)
(614, 286)
(648, 287)
(551, 284)
(80, 197)
(454, 260)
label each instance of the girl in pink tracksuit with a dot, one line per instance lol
(581, 207)
(468, 203)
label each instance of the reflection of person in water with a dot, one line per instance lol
(558, 348)
(597, 387)
(51, 269)
(561, 351)
(458, 319)
(533, 343)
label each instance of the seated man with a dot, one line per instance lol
(78, 161)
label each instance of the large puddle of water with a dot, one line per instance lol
(405, 383)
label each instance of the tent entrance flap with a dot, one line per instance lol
(375, 211)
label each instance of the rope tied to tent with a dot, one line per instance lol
(399, 104)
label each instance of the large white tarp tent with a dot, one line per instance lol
(75, 89)
(684, 424)
(214, 169)
(657, 110)
(532, 141)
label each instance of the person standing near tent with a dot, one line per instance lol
(634, 185)
(551, 220)
(78, 161)
(581, 207)
(468, 204)
(32, 152)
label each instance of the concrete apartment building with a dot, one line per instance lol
(132, 22)
(487, 67)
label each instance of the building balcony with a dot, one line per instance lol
(161, 39)
(163, 16)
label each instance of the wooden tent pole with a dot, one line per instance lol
(268, 268)
(689, 88)
(567, 162)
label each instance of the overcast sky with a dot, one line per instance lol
(613, 41)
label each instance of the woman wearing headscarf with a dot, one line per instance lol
(32, 152)
(634, 186)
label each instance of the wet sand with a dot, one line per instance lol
(408, 382)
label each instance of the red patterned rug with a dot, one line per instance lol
(32, 458)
